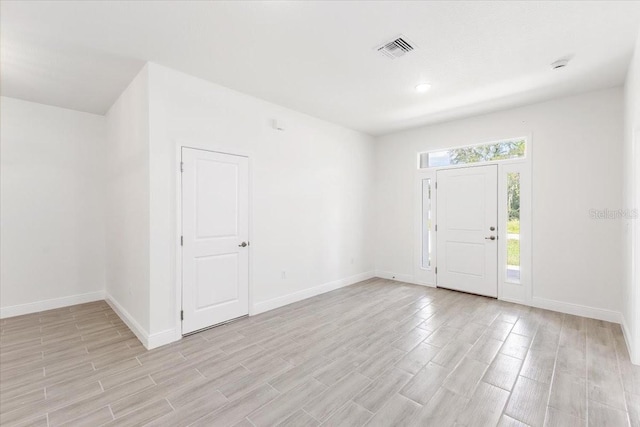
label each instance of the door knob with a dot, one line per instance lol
(492, 228)
(243, 245)
(490, 238)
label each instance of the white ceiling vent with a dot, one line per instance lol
(396, 48)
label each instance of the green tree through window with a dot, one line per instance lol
(488, 152)
(513, 196)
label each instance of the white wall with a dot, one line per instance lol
(127, 207)
(631, 237)
(52, 184)
(312, 210)
(73, 181)
(577, 147)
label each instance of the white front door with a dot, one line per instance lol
(215, 229)
(467, 220)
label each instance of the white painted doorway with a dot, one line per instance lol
(215, 238)
(467, 220)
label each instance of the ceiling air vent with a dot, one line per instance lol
(396, 48)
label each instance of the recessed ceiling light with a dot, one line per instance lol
(423, 87)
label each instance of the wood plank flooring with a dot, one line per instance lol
(377, 353)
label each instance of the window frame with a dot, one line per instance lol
(506, 231)
(488, 162)
(428, 229)
(510, 290)
(507, 291)
(424, 276)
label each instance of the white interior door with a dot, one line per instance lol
(215, 228)
(467, 220)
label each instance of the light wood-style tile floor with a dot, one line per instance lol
(376, 353)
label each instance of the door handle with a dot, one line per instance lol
(243, 245)
(490, 238)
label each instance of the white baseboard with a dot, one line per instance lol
(513, 300)
(633, 355)
(50, 304)
(149, 341)
(406, 278)
(577, 309)
(162, 338)
(548, 304)
(274, 303)
(139, 331)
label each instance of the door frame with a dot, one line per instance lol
(507, 291)
(204, 146)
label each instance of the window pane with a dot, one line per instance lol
(426, 223)
(503, 150)
(439, 158)
(513, 227)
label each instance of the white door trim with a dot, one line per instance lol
(518, 293)
(215, 238)
(422, 276)
(205, 146)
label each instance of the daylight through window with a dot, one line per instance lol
(501, 150)
(513, 227)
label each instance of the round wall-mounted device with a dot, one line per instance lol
(560, 63)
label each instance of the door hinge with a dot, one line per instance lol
(181, 240)
(436, 270)
(181, 315)
(436, 185)
(436, 227)
(181, 166)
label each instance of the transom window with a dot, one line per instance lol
(482, 153)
